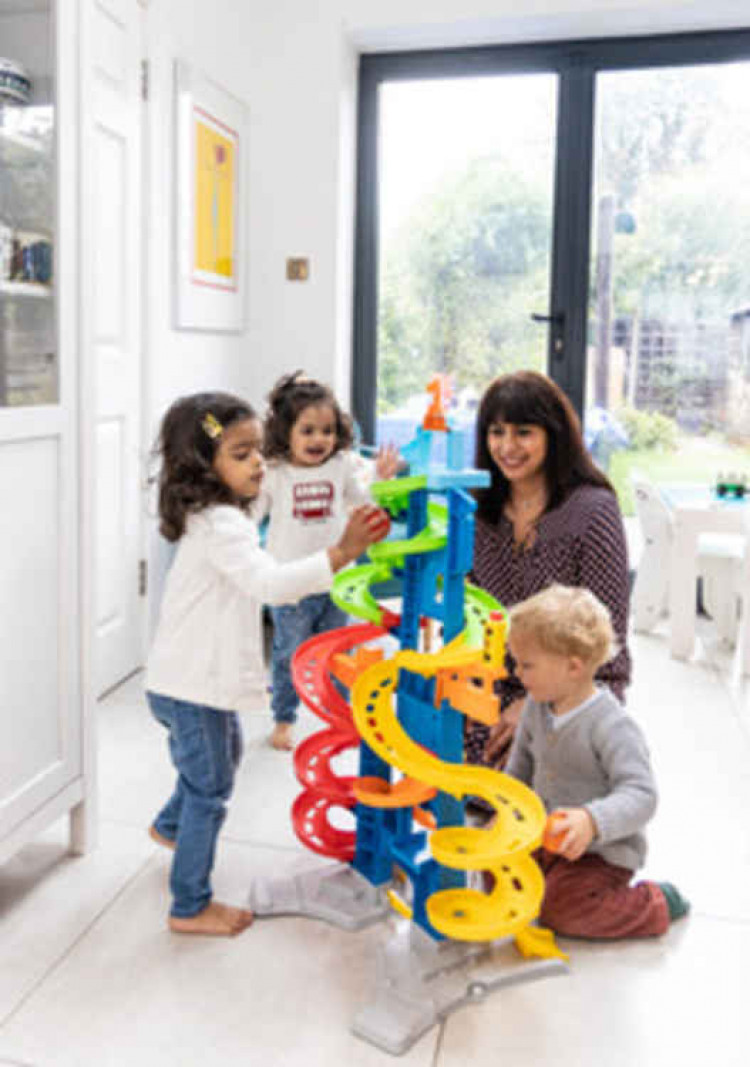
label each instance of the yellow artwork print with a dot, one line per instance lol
(214, 200)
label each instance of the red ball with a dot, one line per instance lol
(381, 525)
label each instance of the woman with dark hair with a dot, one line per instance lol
(548, 516)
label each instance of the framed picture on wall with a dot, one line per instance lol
(210, 270)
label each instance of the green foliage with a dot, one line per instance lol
(653, 123)
(648, 429)
(687, 262)
(675, 151)
(402, 357)
(458, 282)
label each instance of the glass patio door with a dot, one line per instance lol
(668, 354)
(601, 186)
(466, 172)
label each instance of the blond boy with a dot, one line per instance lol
(588, 761)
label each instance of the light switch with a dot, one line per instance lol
(297, 270)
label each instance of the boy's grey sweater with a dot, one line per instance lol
(597, 760)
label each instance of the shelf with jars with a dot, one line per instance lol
(28, 364)
(27, 194)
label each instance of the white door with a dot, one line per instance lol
(111, 322)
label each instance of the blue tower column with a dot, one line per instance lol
(461, 507)
(460, 550)
(414, 569)
(371, 855)
(373, 858)
(448, 810)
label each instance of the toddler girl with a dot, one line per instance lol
(588, 761)
(313, 478)
(206, 661)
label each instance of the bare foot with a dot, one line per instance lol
(282, 737)
(160, 839)
(216, 920)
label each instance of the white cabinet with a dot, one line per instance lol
(45, 741)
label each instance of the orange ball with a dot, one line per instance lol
(553, 835)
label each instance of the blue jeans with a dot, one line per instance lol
(292, 625)
(206, 747)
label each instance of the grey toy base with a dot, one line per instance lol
(420, 981)
(337, 894)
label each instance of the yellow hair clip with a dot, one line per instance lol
(212, 426)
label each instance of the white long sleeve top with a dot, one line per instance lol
(308, 506)
(208, 643)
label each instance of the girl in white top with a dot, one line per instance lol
(313, 479)
(206, 661)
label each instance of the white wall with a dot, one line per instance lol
(179, 361)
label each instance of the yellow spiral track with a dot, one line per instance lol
(503, 848)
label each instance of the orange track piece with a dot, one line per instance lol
(471, 691)
(434, 422)
(435, 416)
(348, 667)
(377, 793)
(425, 818)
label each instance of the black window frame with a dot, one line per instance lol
(576, 62)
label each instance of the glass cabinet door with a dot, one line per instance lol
(28, 356)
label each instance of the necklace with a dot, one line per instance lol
(523, 544)
(524, 516)
(536, 502)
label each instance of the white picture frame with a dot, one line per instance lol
(210, 197)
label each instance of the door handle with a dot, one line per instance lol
(556, 319)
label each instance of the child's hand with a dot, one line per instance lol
(571, 832)
(501, 734)
(388, 462)
(366, 524)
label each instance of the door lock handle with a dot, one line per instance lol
(557, 320)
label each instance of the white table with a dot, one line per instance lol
(695, 510)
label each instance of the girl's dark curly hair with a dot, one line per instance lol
(526, 398)
(286, 402)
(189, 437)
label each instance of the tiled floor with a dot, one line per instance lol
(90, 977)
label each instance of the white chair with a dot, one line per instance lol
(720, 566)
(742, 655)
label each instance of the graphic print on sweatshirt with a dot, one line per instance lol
(313, 502)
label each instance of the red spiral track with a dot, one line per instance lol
(323, 788)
